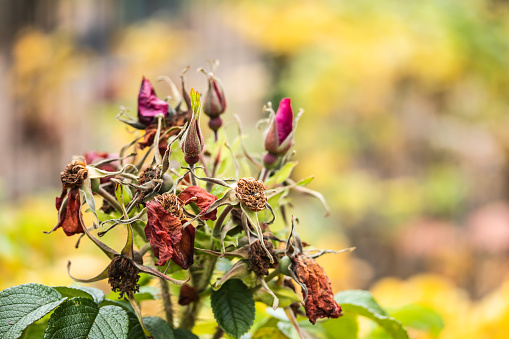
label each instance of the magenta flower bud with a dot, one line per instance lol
(149, 105)
(279, 134)
(192, 141)
(214, 103)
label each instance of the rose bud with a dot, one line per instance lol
(279, 134)
(192, 140)
(149, 105)
(214, 103)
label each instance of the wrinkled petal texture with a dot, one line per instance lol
(284, 119)
(149, 105)
(163, 231)
(70, 219)
(320, 302)
(183, 253)
(201, 198)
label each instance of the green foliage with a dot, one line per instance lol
(82, 318)
(158, 328)
(285, 295)
(420, 317)
(358, 302)
(233, 307)
(22, 305)
(345, 326)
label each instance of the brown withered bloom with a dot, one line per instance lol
(258, 258)
(188, 294)
(74, 174)
(251, 192)
(320, 301)
(68, 204)
(144, 180)
(123, 276)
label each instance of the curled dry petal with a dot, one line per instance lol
(70, 218)
(201, 198)
(320, 301)
(74, 174)
(163, 231)
(183, 251)
(188, 294)
(149, 105)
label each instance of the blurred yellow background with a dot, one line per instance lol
(405, 130)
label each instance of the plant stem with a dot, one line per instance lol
(219, 223)
(109, 198)
(168, 307)
(191, 174)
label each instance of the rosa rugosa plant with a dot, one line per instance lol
(206, 225)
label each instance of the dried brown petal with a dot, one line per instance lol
(74, 174)
(70, 218)
(123, 276)
(252, 193)
(183, 251)
(147, 175)
(259, 260)
(201, 198)
(163, 231)
(188, 294)
(320, 302)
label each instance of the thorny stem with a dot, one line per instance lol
(219, 223)
(109, 198)
(168, 307)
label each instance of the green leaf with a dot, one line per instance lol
(182, 333)
(96, 293)
(158, 328)
(233, 307)
(269, 333)
(420, 317)
(305, 181)
(71, 292)
(35, 331)
(281, 175)
(345, 327)
(362, 303)
(135, 329)
(22, 305)
(82, 318)
(285, 295)
(147, 293)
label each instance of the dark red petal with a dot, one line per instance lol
(149, 105)
(320, 302)
(184, 250)
(60, 200)
(163, 231)
(71, 220)
(203, 200)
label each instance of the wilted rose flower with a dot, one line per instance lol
(164, 226)
(149, 105)
(68, 204)
(320, 301)
(278, 139)
(251, 193)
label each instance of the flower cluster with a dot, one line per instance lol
(182, 199)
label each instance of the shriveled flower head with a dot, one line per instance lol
(258, 258)
(149, 105)
(251, 192)
(320, 301)
(74, 174)
(172, 204)
(278, 139)
(123, 275)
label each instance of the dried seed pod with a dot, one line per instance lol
(74, 174)
(252, 193)
(259, 260)
(123, 275)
